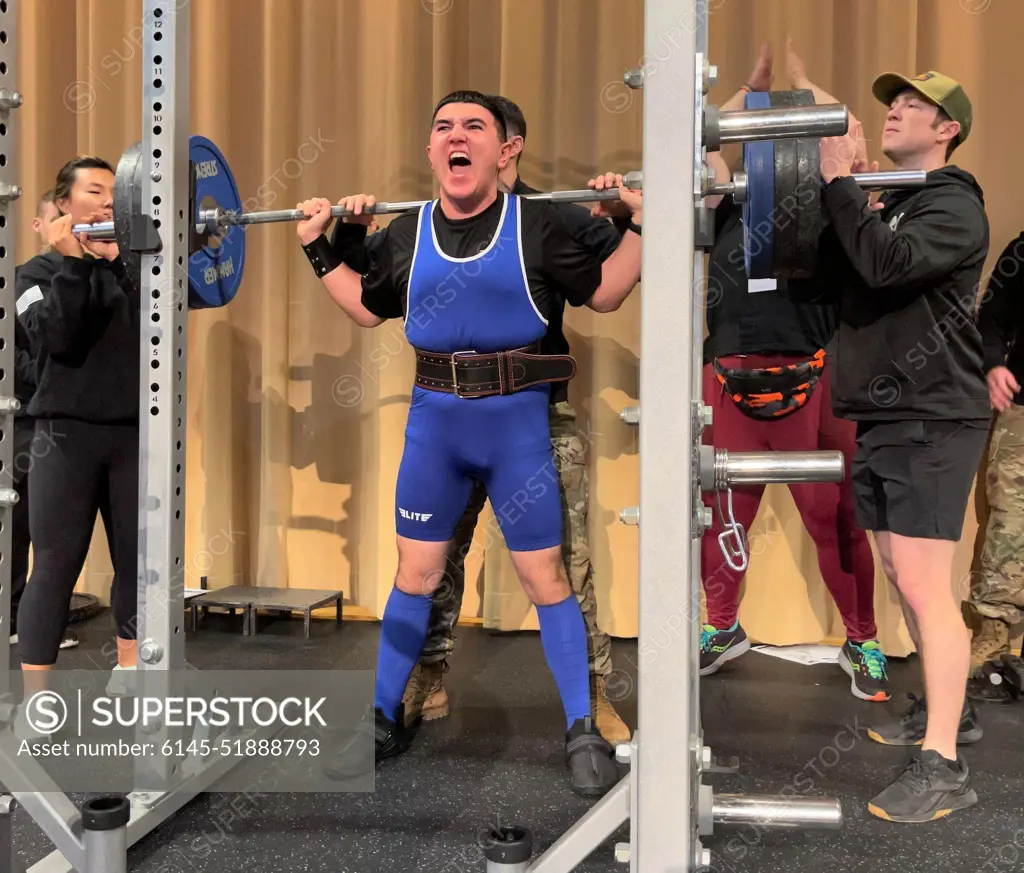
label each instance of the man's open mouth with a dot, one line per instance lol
(458, 161)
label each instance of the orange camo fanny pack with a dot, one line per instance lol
(770, 393)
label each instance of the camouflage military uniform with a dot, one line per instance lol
(997, 592)
(571, 460)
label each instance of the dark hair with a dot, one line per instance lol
(69, 172)
(488, 103)
(515, 121)
(941, 117)
(48, 197)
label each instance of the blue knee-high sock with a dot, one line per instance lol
(402, 635)
(564, 637)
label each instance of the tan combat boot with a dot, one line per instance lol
(611, 726)
(991, 639)
(425, 696)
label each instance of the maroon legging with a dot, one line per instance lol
(844, 554)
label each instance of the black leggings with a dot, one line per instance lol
(77, 468)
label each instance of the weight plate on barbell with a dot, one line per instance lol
(797, 197)
(758, 218)
(128, 202)
(215, 269)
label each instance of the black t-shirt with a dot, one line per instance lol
(747, 317)
(559, 267)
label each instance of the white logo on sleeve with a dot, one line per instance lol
(32, 295)
(415, 516)
(895, 222)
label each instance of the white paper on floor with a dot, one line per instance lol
(806, 655)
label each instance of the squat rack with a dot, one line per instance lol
(662, 797)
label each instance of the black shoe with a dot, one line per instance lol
(929, 788)
(719, 646)
(865, 664)
(350, 754)
(981, 688)
(910, 729)
(590, 759)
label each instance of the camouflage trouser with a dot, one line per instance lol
(998, 590)
(571, 460)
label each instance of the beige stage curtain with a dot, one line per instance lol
(295, 416)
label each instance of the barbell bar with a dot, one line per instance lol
(213, 220)
(889, 180)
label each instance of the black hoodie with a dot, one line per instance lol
(1001, 314)
(82, 319)
(906, 280)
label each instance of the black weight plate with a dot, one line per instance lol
(808, 195)
(809, 208)
(797, 197)
(83, 606)
(128, 202)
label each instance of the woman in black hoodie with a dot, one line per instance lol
(81, 313)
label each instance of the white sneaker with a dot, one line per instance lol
(70, 641)
(122, 681)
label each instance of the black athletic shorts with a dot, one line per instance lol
(914, 478)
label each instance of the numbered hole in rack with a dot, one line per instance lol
(3, 249)
(158, 129)
(156, 200)
(3, 68)
(156, 317)
(3, 130)
(158, 106)
(3, 221)
(154, 387)
(155, 341)
(158, 35)
(3, 5)
(154, 410)
(156, 271)
(157, 153)
(3, 36)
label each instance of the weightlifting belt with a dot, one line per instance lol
(467, 374)
(771, 393)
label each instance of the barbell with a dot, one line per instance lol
(780, 178)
